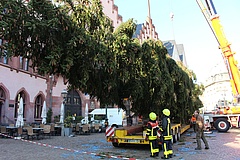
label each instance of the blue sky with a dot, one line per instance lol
(189, 28)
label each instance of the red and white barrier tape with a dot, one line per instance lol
(67, 149)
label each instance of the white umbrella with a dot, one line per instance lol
(20, 121)
(62, 113)
(44, 113)
(86, 114)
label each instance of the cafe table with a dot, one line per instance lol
(39, 131)
(11, 130)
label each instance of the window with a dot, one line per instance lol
(1, 93)
(38, 107)
(23, 63)
(26, 64)
(17, 101)
(5, 58)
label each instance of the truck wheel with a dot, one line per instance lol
(118, 145)
(114, 125)
(115, 144)
(174, 138)
(179, 134)
(222, 125)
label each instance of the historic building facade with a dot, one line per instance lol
(17, 80)
(147, 30)
(218, 90)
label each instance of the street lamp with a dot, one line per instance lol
(51, 89)
(64, 95)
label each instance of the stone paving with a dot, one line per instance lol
(223, 146)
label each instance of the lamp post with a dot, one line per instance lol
(64, 96)
(51, 89)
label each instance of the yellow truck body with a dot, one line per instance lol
(136, 134)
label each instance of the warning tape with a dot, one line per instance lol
(66, 149)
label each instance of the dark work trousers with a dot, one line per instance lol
(167, 148)
(194, 127)
(199, 136)
(154, 148)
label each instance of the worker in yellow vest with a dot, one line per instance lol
(167, 135)
(152, 134)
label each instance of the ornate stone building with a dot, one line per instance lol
(17, 80)
(218, 91)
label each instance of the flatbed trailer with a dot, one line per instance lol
(136, 134)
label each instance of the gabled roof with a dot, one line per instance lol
(176, 51)
(138, 29)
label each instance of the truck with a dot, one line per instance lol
(226, 116)
(114, 116)
(136, 134)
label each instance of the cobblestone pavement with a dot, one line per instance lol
(223, 146)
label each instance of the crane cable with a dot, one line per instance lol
(172, 16)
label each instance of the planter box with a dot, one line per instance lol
(67, 131)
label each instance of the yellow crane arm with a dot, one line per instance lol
(212, 18)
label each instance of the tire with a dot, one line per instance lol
(222, 125)
(179, 134)
(115, 144)
(118, 145)
(174, 137)
(114, 125)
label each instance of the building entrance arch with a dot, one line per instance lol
(2, 100)
(73, 105)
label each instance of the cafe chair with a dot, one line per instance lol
(21, 133)
(52, 130)
(97, 128)
(30, 133)
(85, 129)
(41, 125)
(4, 131)
(77, 130)
(47, 130)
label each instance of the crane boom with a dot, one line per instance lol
(212, 18)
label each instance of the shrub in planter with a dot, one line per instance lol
(67, 125)
(67, 121)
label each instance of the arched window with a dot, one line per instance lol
(38, 107)
(24, 63)
(2, 99)
(17, 100)
(2, 94)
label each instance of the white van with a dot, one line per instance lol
(115, 116)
